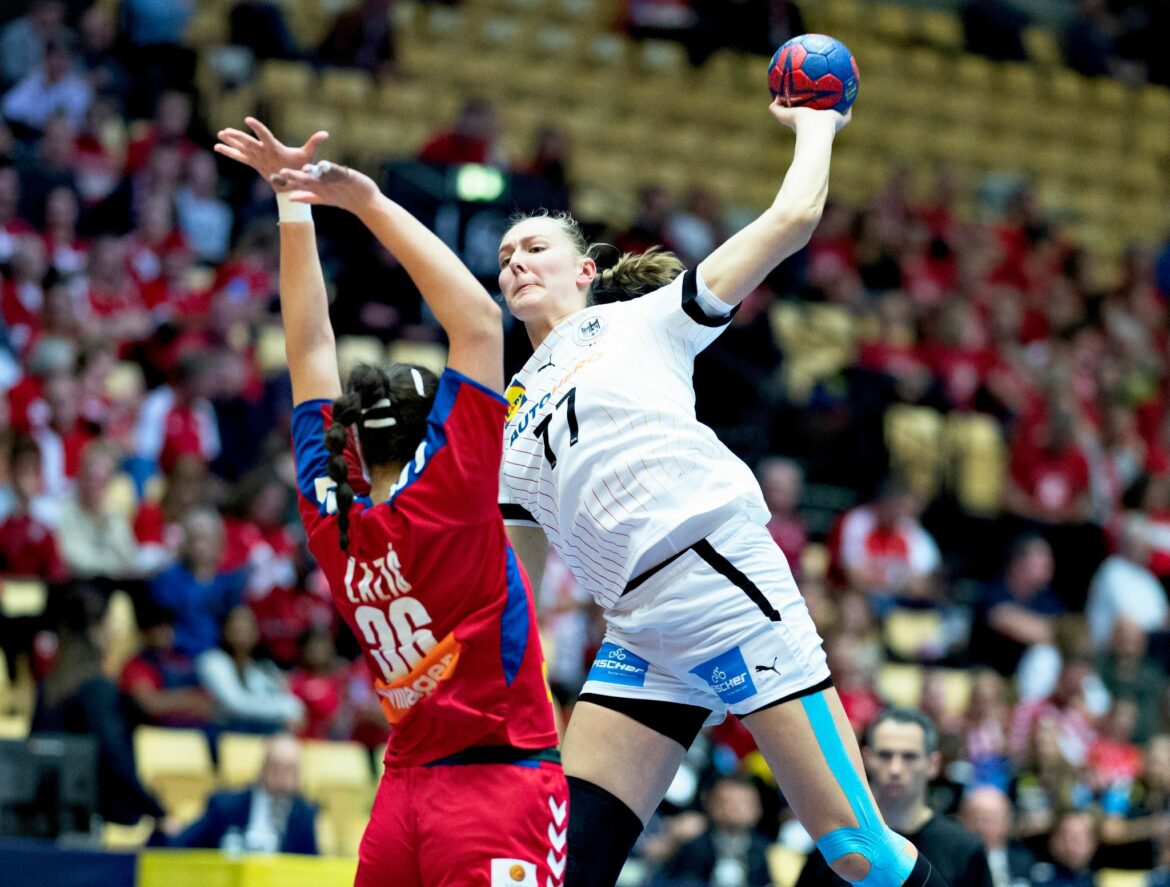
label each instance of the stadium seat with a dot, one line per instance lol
(125, 382)
(428, 60)
(240, 757)
(373, 139)
(1153, 137)
(122, 640)
(784, 865)
(500, 31)
(337, 775)
(975, 70)
(331, 766)
(282, 79)
(1020, 83)
(914, 438)
(22, 691)
(557, 43)
(1043, 47)
(298, 120)
(956, 689)
(176, 765)
(402, 99)
(1122, 878)
(1111, 94)
(208, 27)
(900, 684)
(14, 726)
(270, 356)
(352, 350)
(608, 49)
(842, 15)
(977, 459)
(345, 89)
(1155, 100)
(431, 355)
(893, 21)
(939, 28)
(909, 634)
(658, 57)
(122, 495)
(127, 837)
(1066, 86)
(22, 596)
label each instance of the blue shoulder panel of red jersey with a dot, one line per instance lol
(310, 419)
(514, 621)
(436, 437)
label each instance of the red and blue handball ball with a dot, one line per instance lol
(814, 71)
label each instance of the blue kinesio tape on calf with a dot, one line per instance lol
(889, 866)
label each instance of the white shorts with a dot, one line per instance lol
(722, 627)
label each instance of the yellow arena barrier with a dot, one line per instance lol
(211, 868)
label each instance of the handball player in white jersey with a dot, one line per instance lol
(605, 460)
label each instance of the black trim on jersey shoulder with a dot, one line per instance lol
(799, 694)
(724, 567)
(693, 310)
(510, 511)
(674, 720)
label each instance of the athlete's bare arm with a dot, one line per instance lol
(304, 308)
(468, 314)
(741, 264)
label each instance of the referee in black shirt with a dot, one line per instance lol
(901, 756)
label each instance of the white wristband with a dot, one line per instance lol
(288, 211)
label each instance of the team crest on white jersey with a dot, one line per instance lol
(589, 330)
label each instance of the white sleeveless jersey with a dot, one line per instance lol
(601, 445)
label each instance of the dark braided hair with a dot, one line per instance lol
(391, 419)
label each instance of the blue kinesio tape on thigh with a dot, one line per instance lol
(881, 847)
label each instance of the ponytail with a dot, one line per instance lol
(634, 274)
(347, 409)
(390, 408)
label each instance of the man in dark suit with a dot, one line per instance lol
(730, 851)
(270, 817)
(987, 813)
(901, 757)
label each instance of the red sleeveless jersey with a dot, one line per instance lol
(430, 586)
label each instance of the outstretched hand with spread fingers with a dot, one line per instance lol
(264, 152)
(328, 184)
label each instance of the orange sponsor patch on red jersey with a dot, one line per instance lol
(399, 697)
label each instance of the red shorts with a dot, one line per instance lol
(467, 825)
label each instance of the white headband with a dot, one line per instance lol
(384, 422)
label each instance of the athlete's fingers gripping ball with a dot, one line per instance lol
(814, 71)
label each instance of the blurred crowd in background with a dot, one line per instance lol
(144, 441)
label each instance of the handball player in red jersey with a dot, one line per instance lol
(417, 557)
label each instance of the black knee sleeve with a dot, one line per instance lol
(923, 875)
(602, 831)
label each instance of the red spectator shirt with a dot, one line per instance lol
(450, 147)
(962, 371)
(20, 309)
(28, 548)
(322, 695)
(1052, 480)
(430, 586)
